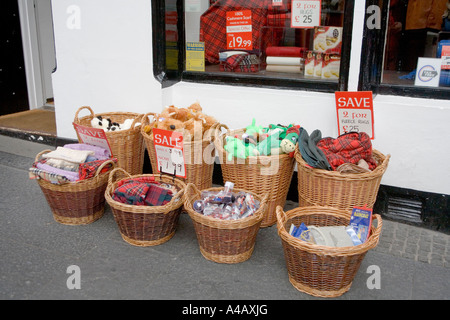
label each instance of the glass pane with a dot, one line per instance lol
(417, 44)
(288, 39)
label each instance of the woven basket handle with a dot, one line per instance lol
(111, 178)
(190, 193)
(78, 111)
(100, 168)
(139, 118)
(281, 216)
(263, 204)
(376, 234)
(39, 155)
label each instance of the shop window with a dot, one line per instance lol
(409, 52)
(273, 43)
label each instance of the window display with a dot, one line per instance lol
(279, 39)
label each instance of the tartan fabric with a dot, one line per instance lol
(35, 173)
(213, 26)
(87, 170)
(348, 148)
(241, 63)
(142, 191)
(279, 20)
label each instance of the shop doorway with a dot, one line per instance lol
(27, 103)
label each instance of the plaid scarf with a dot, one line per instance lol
(241, 63)
(87, 170)
(143, 191)
(349, 147)
(213, 25)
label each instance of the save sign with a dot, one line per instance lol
(92, 136)
(355, 112)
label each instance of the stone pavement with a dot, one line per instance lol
(36, 253)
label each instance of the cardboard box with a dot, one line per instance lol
(328, 39)
(330, 66)
(318, 64)
(309, 63)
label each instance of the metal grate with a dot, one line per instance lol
(406, 209)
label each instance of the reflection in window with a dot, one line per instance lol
(274, 38)
(416, 30)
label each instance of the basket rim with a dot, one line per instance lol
(257, 217)
(379, 170)
(283, 217)
(167, 208)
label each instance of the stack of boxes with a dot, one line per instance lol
(323, 62)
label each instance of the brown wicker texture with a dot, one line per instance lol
(144, 226)
(126, 145)
(343, 191)
(199, 157)
(77, 203)
(319, 270)
(224, 241)
(270, 175)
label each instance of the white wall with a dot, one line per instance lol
(107, 64)
(104, 59)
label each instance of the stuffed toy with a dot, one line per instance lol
(235, 148)
(170, 124)
(114, 126)
(253, 130)
(100, 123)
(289, 142)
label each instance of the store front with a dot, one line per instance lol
(143, 55)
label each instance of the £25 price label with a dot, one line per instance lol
(169, 152)
(239, 30)
(306, 13)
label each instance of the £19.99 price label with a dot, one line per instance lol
(169, 152)
(239, 30)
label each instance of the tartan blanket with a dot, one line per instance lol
(213, 25)
(348, 148)
(244, 62)
(143, 191)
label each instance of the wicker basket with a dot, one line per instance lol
(126, 145)
(318, 270)
(343, 191)
(224, 241)
(144, 226)
(77, 203)
(270, 175)
(198, 156)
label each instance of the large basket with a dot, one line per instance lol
(144, 226)
(199, 156)
(79, 202)
(343, 191)
(224, 241)
(126, 145)
(270, 175)
(319, 270)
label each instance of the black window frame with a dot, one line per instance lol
(372, 54)
(169, 77)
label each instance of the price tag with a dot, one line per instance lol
(355, 112)
(169, 152)
(239, 30)
(92, 136)
(306, 13)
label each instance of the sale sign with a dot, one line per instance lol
(306, 13)
(169, 152)
(92, 136)
(239, 30)
(355, 112)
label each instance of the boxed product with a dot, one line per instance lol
(309, 63)
(318, 64)
(328, 39)
(330, 66)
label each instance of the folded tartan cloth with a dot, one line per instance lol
(88, 169)
(243, 62)
(143, 191)
(279, 20)
(348, 147)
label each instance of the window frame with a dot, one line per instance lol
(170, 77)
(370, 75)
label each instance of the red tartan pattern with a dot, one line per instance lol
(87, 170)
(348, 148)
(213, 26)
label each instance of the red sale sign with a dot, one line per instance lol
(355, 112)
(239, 30)
(92, 136)
(169, 152)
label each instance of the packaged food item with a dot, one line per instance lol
(328, 39)
(302, 232)
(318, 64)
(309, 63)
(330, 66)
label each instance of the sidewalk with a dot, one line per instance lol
(414, 263)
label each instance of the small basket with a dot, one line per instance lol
(270, 175)
(319, 187)
(224, 241)
(126, 145)
(319, 270)
(199, 157)
(78, 202)
(144, 226)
